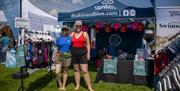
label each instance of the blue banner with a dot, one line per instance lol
(11, 9)
(107, 9)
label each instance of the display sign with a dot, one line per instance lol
(140, 67)
(22, 22)
(168, 21)
(110, 66)
(168, 25)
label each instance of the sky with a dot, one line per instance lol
(73, 5)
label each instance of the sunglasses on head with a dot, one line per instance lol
(65, 29)
(78, 25)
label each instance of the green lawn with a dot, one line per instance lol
(41, 81)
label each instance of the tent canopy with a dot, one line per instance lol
(107, 9)
(167, 3)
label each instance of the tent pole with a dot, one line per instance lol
(20, 8)
(21, 32)
(155, 24)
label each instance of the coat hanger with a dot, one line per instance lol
(159, 86)
(166, 69)
(172, 70)
(170, 66)
(175, 79)
(177, 73)
(178, 65)
(164, 84)
(169, 85)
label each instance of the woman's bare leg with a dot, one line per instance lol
(84, 69)
(58, 74)
(77, 76)
(65, 76)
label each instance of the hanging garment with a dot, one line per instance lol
(40, 55)
(50, 48)
(11, 58)
(45, 53)
(158, 66)
(165, 59)
(30, 52)
(161, 61)
(98, 63)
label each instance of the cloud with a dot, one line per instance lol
(77, 2)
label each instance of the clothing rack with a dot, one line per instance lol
(166, 55)
(169, 77)
(34, 54)
(170, 66)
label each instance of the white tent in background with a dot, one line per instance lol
(3, 20)
(38, 18)
(2, 17)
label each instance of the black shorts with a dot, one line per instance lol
(79, 56)
(79, 59)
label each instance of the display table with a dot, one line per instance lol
(125, 73)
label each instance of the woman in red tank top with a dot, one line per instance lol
(79, 42)
(80, 55)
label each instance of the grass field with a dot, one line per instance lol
(42, 81)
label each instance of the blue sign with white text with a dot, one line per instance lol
(107, 9)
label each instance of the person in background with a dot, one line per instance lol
(62, 56)
(99, 58)
(4, 42)
(12, 46)
(80, 55)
